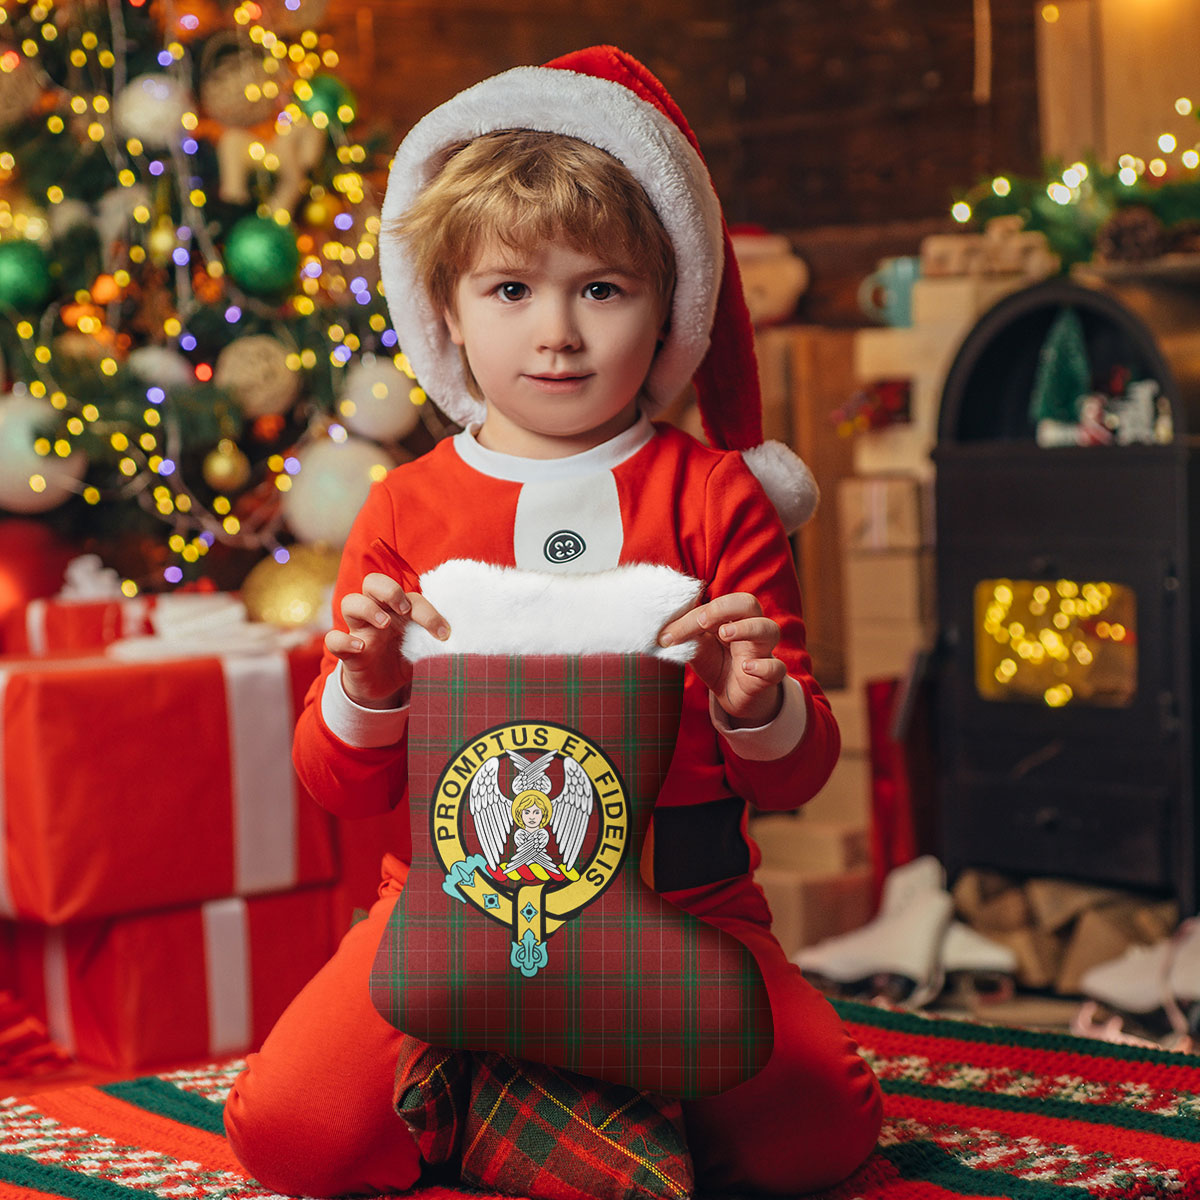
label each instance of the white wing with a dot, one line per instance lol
(572, 807)
(530, 775)
(490, 811)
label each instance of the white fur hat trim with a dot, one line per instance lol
(604, 114)
(503, 610)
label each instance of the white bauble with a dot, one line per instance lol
(150, 108)
(330, 488)
(114, 216)
(255, 370)
(228, 84)
(66, 215)
(375, 401)
(162, 366)
(23, 419)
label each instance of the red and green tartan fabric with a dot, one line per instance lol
(526, 1129)
(585, 968)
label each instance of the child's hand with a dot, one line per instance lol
(373, 672)
(734, 656)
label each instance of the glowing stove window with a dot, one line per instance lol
(1056, 642)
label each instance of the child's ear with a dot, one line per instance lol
(452, 327)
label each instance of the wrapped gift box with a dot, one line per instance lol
(45, 626)
(131, 786)
(173, 987)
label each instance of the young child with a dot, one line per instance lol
(557, 267)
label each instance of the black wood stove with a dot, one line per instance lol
(1068, 656)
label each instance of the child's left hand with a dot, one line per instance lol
(734, 655)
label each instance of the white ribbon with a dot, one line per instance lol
(134, 614)
(57, 982)
(226, 970)
(35, 626)
(227, 975)
(258, 702)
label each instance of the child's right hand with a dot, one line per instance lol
(374, 674)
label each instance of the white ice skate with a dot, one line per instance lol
(980, 966)
(898, 953)
(1155, 987)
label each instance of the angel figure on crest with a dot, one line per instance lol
(526, 816)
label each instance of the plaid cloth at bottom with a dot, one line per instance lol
(531, 1130)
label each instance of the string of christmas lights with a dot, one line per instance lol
(1074, 203)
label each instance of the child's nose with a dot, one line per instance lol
(558, 330)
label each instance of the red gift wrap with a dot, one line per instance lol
(184, 985)
(132, 786)
(50, 625)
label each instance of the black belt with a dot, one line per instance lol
(698, 844)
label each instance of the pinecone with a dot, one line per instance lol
(1132, 234)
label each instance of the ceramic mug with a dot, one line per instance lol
(886, 294)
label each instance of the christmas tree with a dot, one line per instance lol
(197, 359)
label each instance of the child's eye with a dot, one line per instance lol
(512, 291)
(601, 291)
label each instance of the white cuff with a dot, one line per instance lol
(777, 738)
(356, 725)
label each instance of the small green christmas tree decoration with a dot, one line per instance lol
(1063, 375)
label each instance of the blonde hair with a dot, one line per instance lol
(531, 799)
(521, 188)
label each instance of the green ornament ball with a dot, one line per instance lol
(262, 256)
(328, 95)
(24, 275)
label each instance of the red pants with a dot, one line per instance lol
(312, 1112)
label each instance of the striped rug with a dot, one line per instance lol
(972, 1111)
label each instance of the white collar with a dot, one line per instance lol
(514, 469)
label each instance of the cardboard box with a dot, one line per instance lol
(905, 352)
(800, 842)
(885, 650)
(177, 986)
(888, 586)
(885, 512)
(805, 909)
(959, 300)
(846, 797)
(773, 350)
(130, 786)
(850, 709)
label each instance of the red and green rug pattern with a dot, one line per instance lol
(971, 1110)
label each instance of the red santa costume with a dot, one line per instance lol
(313, 1112)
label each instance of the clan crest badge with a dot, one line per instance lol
(530, 821)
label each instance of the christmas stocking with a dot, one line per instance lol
(525, 926)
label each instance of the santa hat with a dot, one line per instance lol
(607, 98)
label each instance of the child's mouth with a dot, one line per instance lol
(558, 383)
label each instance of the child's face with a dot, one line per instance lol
(559, 342)
(531, 817)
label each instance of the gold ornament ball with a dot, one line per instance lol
(226, 468)
(255, 370)
(317, 213)
(295, 593)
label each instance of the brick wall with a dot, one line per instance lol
(810, 113)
